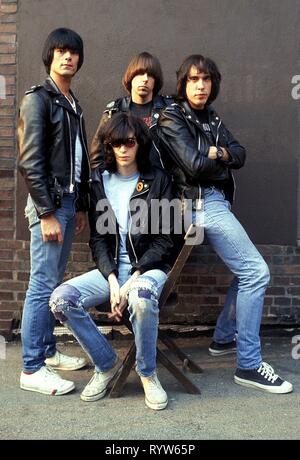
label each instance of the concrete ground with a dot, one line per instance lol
(224, 410)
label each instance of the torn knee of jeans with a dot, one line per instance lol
(143, 289)
(62, 298)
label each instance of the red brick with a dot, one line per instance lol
(7, 204)
(6, 254)
(6, 152)
(6, 296)
(10, 122)
(7, 184)
(14, 244)
(5, 112)
(7, 142)
(7, 194)
(10, 90)
(8, 69)
(8, 8)
(23, 276)
(8, 28)
(6, 275)
(7, 132)
(7, 58)
(12, 306)
(6, 234)
(7, 314)
(7, 163)
(7, 48)
(8, 102)
(7, 38)
(275, 290)
(23, 255)
(11, 285)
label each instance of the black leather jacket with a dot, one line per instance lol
(123, 105)
(146, 251)
(46, 136)
(184, 148)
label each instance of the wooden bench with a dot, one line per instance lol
(187, 364)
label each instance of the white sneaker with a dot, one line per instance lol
(155, 396)
(46, 381)
(97, 386)
(65, 363)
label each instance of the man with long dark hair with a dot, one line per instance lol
(54, 162)
(132, 264)
(142, 80)
(201, 153)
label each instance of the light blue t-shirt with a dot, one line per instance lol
(118, 190)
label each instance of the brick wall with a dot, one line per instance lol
(8, 266)
(202, 286)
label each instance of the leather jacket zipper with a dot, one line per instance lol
(129, 234)
(71, 188)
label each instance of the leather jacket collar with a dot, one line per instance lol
(50, 86)
(213, 117)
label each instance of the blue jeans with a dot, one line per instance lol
(70, 302)
(48, 262)
(242, 312)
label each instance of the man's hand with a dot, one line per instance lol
(117, 312)
(51, 229)
(114, 289)
(80, 222)
(212, 154)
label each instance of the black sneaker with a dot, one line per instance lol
(218, 349)
(263, 378)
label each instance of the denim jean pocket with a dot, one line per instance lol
(30, 213)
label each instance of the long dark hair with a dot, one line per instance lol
(120, 127)
(140, 64)
(65, 39)
(203, 64)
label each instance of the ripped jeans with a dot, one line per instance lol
(71, 300)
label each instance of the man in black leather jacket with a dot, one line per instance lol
(142, 80)
(201, 153)
(132, 258)
(53, 160)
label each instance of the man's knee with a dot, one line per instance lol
(263, 273)
(62, 298)
(143, 297)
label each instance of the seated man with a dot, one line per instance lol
(132, 264)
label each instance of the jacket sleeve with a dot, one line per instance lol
(180, 144)
(160, 246)
(236, 151)
(97, 155)
(32, 141)
(99, 243)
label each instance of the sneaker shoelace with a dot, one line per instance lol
(153, 381)
(267, 372)
(50, 372)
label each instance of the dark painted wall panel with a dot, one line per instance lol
(256, 45)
